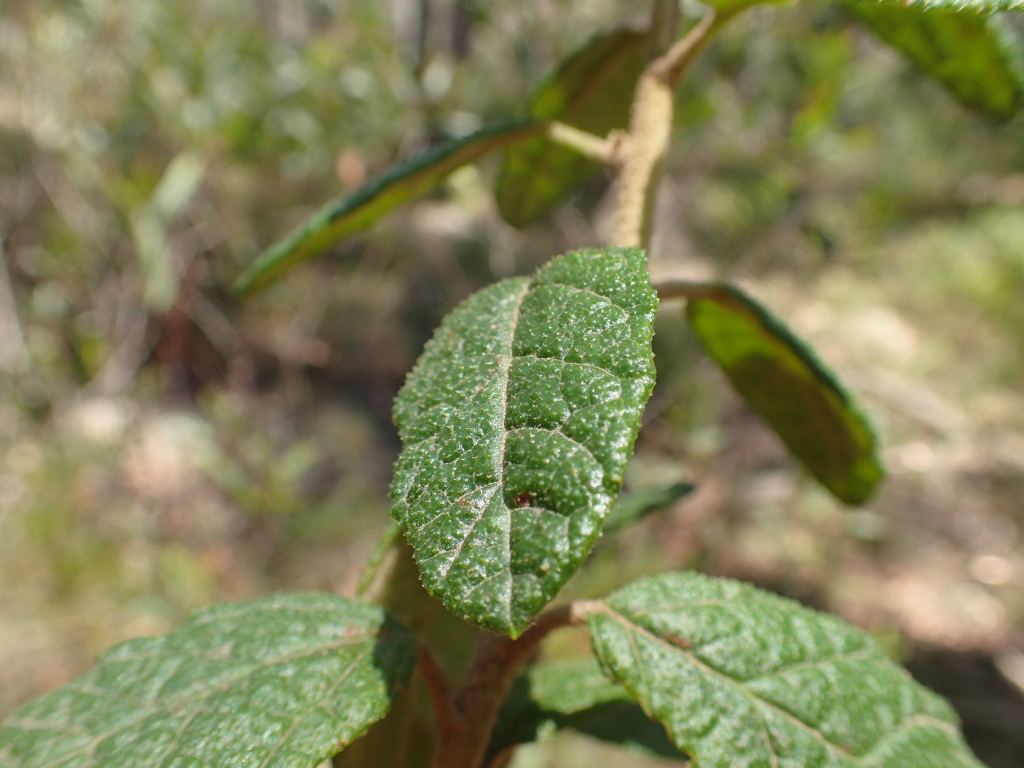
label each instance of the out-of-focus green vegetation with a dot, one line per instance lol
(165, 446)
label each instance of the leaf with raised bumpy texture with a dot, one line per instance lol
(977, 6)
(286, 681)
(517, 424)
(741, 678)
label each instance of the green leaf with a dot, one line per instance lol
(517, 424)
(592, 91)
(282, 681)
(360, 210)
(576, 694)
(635, 506)
(740, 677)
(782, 379)
(979, 6)
(976, 57)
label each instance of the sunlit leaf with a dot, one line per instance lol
(591, 91)
(741, 677)
(360, 210)
(576, 694)
(783, 380)
(976, 57)
(980, 6)
(282, 681)
(517, 424)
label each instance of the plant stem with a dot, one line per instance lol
(14, 357)
(587, 144)
(680, 57)
(448, 717)
(680, 289)
(663, 26)
(643, 149)
(497, 660)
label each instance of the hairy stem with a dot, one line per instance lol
(674, 65)
(643, 149)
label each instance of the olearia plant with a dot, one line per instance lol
(517, 424)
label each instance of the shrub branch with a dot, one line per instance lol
(643, 149)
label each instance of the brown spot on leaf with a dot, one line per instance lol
(523, 499)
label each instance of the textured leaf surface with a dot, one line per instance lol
(782, 379)
(979, 6)
(517, 424)
(283, 681)
(743, 679)
(360, 210)
(576, 694)
(976, 57)
(592, 91)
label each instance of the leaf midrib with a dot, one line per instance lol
(499, 463)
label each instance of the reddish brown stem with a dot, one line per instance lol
(496, 662)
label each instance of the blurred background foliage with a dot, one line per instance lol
(165, 446)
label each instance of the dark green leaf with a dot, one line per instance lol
(591, 91)
(782, 379)
(282, 681)
(976, 57)
(360, 210)
(517, 424)
(636, 505)
(740, 677)
(576, 694)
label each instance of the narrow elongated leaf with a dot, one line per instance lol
(283, 681)
(576, 694)
(591, 91)
(976, 57)
(517, 424)
(741, 677)
(782, 379)
(637, 505)
(360, 210)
